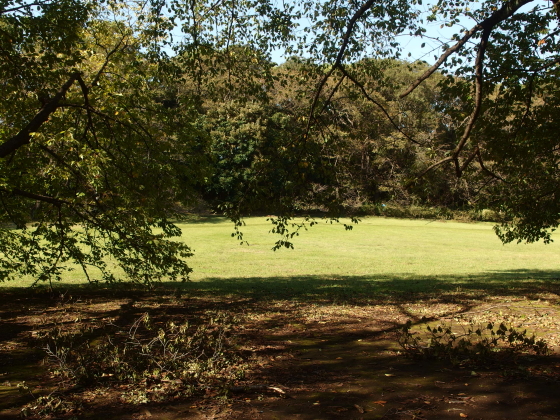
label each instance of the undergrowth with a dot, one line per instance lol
(472, 345)
(147, 363)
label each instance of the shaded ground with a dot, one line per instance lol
(313, 348)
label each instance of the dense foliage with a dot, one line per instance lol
(118, 114)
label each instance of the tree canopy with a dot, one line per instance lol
(116, 114)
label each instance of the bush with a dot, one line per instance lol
(397, 210)
(404, 211)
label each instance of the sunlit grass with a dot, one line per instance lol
(375, 248)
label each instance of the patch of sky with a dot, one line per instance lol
(439, 31)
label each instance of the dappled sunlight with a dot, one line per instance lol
(327, 343)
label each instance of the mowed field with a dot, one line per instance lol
(376, 249)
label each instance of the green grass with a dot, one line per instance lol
(376, 246)
(379, 249)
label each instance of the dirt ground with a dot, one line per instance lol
(305, 358)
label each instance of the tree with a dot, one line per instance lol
(99, 144)
(92, 164)
(499, 94)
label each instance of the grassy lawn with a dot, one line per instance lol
(377, 249)
(315, 332)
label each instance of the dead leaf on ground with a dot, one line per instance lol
(381, 403)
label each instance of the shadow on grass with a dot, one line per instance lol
(358, 289)
(319, 288)
(235, 294)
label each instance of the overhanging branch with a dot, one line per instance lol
(24, 136)
(345, 40)
(506, 11)
(37, 197)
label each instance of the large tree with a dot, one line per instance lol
(101, 140)
(92, 161)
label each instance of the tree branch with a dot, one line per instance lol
(38, 197)
(106, 63)
(485, 169)
(556, 5)
(381, 107)
(333, 92)
(507, 10)
(18, 8)
(345, 40)
(435, 165)
(24, 136)
(467, 162)
(479, 80)
(488, 26)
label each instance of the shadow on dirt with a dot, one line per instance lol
(328, 343)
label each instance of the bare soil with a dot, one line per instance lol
(306, 358)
